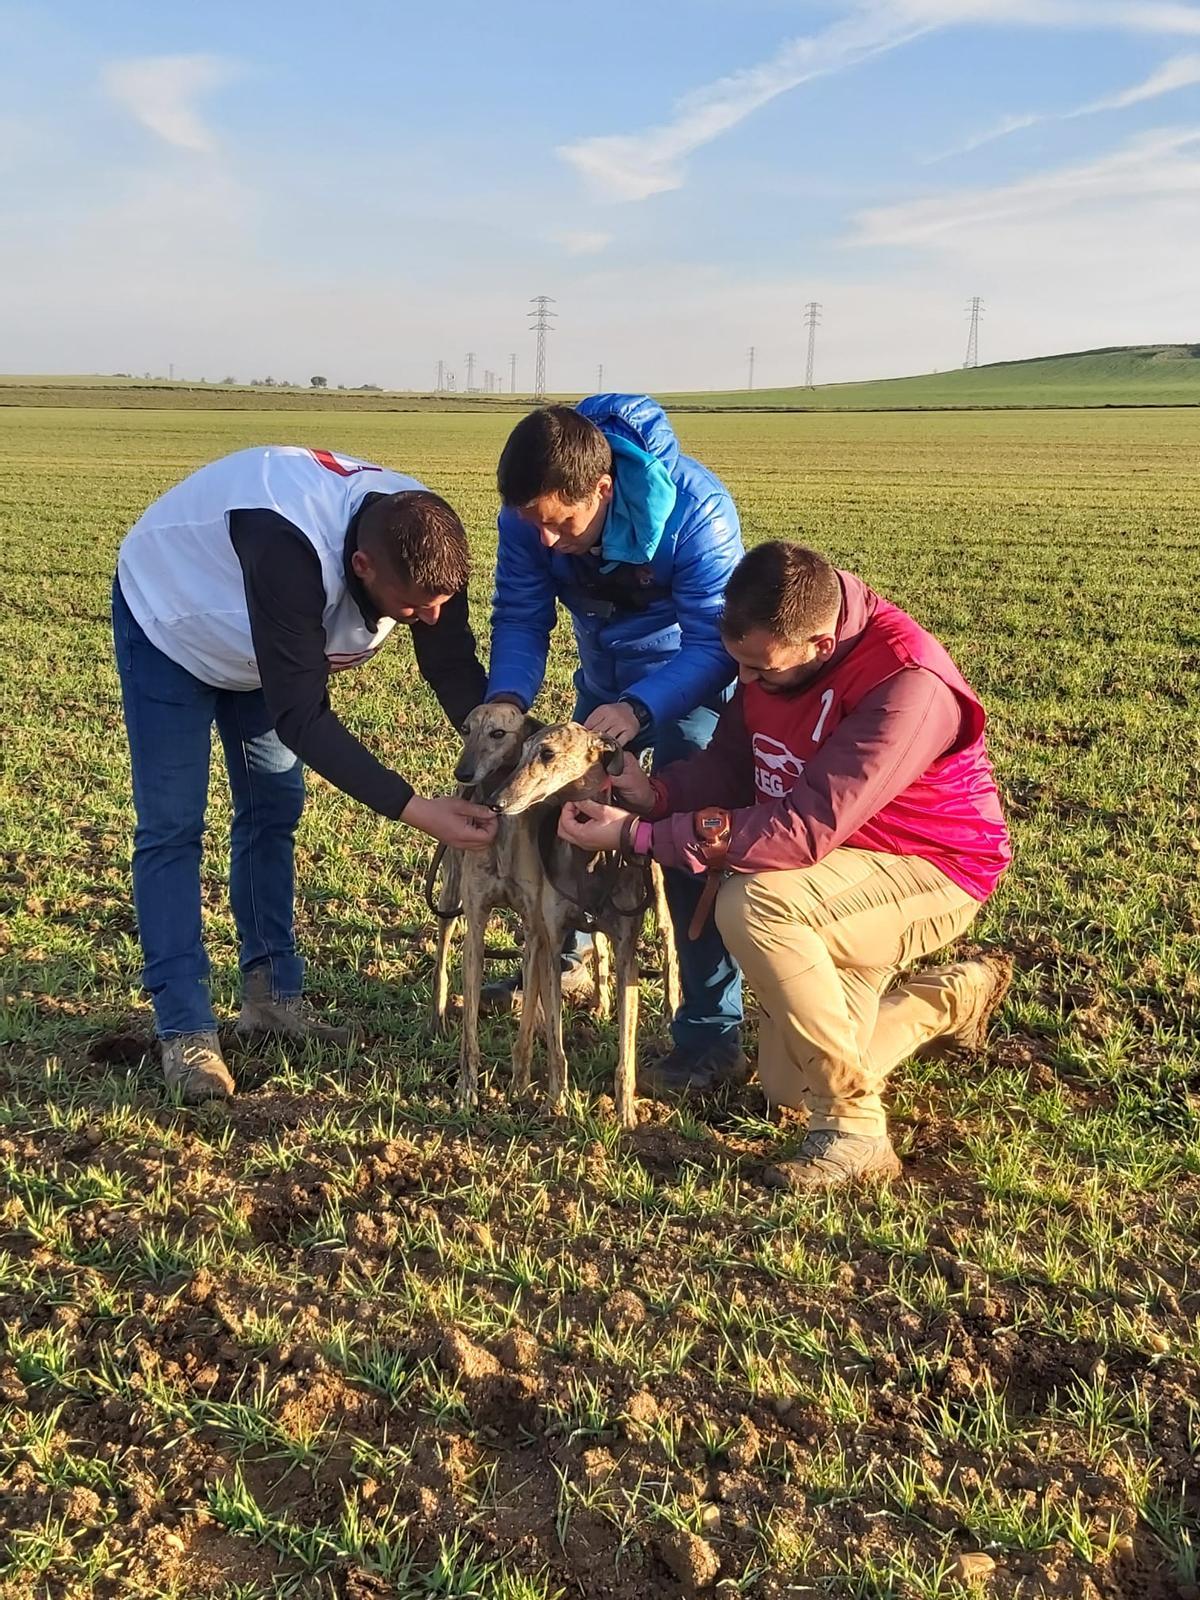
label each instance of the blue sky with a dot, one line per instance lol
(361, 190)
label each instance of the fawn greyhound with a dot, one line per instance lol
(547, 882)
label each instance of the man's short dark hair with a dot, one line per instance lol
(787, 590)
(552, 451)
(416, 538)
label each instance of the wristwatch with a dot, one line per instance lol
(714, 828)
(640, 710)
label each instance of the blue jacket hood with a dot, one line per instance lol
(635, 417)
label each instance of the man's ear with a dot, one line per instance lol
(361, 565)
(613, 758)
(605, 488)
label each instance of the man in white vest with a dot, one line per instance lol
(236, 595)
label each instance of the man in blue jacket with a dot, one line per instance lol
(602, 511)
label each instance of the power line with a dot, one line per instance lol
(600, 378)
(470, 372)
(441, 383)
(750, 375)
(512, 373)
(539, 310)
(812, 321)
(976, 310)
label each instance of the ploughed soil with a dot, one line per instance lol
(620, 1367)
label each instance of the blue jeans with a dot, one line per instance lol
(169, 716)
(710, 1013)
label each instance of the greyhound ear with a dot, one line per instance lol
(614, 758)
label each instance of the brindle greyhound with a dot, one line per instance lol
(512, 873)
(476, 882)
(561, 763)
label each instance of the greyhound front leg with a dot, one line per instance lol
(551, 995)
(672, 992)
(533, 960)
(472, 979)
(627, 1017)
(602, 975)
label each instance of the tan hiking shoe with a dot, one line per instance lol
(991, 978)
(265, 1012)
(193, 1066)
(971, 1032)
(829, 1160)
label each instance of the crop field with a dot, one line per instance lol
(338, 1339)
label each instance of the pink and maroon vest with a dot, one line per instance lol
(951, 816)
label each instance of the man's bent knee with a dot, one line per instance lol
(758, 907)
(730, 909)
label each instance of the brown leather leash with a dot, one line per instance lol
(606, 876)
(443, 914)
(714, 830)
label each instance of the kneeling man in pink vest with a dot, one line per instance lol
(847, 817)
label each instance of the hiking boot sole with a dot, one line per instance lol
(808, 1177)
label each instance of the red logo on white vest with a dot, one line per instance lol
(776, 769)
(343, 468)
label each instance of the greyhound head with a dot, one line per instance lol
(564, 761)
(493, 735)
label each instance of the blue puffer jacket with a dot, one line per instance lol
(669, 656)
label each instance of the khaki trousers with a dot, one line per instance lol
(819, 946)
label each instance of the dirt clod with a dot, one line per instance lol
(692, 1559)
(78, 1504)
(465, 1359)
(973, 1567)
(623, 1310)
(519, 1350)
(641, 1413)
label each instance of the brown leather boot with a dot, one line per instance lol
(194, 1067)
(265, 1012)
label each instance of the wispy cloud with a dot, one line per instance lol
(1127, 16)
(1181, 72)
(1159, 164)
(635, 166)
(581, 242)
(159, 91)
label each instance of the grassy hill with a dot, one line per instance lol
(1134, 375)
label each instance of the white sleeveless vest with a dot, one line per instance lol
(181, 577)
